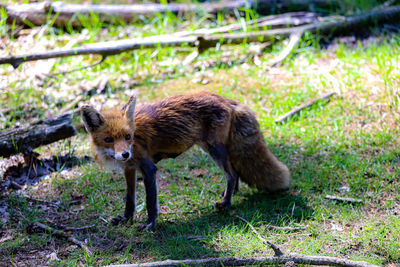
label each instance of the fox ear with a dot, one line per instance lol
(130, 109)
(92, 119)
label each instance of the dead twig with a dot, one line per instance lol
(56, 232)
(294, 39)
(344, 199)
(297, 110)
(76, 69)
(80, 228)
(55, 204)
(286, 228)
(276, 250)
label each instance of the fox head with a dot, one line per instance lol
(111, 131)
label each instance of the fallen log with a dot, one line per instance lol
(41, 132)
(329, 29)
(62, 14)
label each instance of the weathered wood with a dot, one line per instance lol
(41, 132)
(64, 13)
(259, 261)
(331, 28)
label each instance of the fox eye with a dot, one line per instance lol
(127, 137)
(108, 140)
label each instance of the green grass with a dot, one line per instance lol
(347, 147)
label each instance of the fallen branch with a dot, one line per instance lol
(41, 132)
(246, 261)
(344, 199)
(325, 28)
(297, 110)
(56, 232)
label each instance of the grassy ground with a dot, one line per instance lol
(347, 147)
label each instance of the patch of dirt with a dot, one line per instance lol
(17, 176)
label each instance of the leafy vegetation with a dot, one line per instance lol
(348, 147)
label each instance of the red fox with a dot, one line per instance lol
(136, 140)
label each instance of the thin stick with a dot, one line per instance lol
(296, 110)
(293, 41)
(80, 228)
(344, 199)
(286, 228)
(43, 201)
(76, 69)
(276, 250)
(70, 238)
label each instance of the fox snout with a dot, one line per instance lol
(123, 156)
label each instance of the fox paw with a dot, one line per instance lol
(223, 206)
(148, 226)
(119, 220)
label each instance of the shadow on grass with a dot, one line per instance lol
(193, 236)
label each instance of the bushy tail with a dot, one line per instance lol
(250, 155)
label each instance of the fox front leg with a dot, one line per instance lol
(219, 154)
(149, 170)
(130, 204)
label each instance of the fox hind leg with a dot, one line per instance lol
(236, 187)
(220, 156)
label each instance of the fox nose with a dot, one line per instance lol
(126, 155)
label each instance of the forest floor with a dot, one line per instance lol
(347, 147)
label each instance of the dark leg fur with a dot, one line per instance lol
(149, 170)
(130, 204)
(236, 187)
(219, 154)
